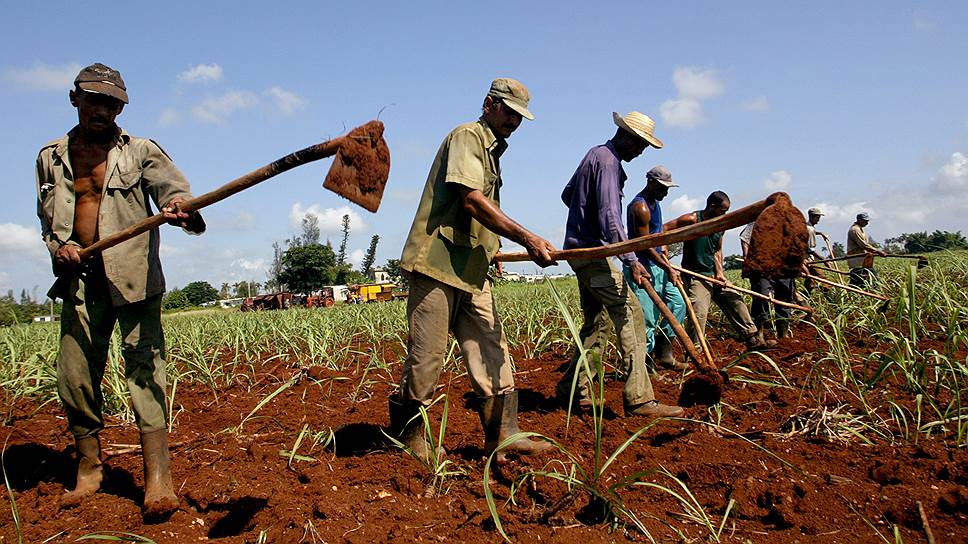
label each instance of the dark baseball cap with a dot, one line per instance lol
(101, 79)
(662, 175)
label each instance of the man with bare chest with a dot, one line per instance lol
(91, 183)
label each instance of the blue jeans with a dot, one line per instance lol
(669, 294)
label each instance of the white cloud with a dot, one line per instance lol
(201, 73)
(216, 110)
(330, 219)
(698, 83)
(356, 257)
(250, 265)
(841, 213)
(243, 221)
(288, 102)
(21, 241)
(952, 177)
(43, 77)
(758, 104)
(781, 180)
(679, 206)
(169, 117)
(681, 112)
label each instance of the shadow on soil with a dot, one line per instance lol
(239, 516)
(359, 439)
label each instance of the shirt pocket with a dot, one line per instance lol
(125, 181)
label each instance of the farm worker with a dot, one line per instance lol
(644, 218)
(705, 256)
(813, 217)
(91, 183)
(451, 243)
(782, 289)
(861, 265)
(594, 199)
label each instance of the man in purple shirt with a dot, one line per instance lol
(594, 200)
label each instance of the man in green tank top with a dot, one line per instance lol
(705, 256)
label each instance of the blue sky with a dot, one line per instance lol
(848, 105)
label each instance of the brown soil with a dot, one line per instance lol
(235, 485)
(778, 244)
(361, 167)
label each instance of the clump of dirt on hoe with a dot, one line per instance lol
(361, 166)
(779, 241)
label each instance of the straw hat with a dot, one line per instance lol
(640, 125)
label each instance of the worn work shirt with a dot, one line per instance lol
(137, 170)
(594, 199)
(699, 255)
(655, 224)
(857, 242)
(445, 242)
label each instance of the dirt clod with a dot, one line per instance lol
(361, 166)
(779, 241)
(705, 389)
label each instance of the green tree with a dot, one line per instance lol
(198, 292)
(175, 300)
(308, 268)
(243, 289)
(341, 256)
(396, 273)
(733, 262)
(310, 226)
(922, 242)
(225, 291)
(838, 249)
(367, 265)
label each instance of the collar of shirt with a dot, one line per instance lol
(121, 137)
(494, 145)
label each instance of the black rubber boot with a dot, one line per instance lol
(499, 417)
(407, 426)
(90, 471)
(160, 499)
(662, 353)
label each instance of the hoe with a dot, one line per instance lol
(777, 249)
(359, 173)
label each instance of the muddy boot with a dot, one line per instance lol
(653, 408)
(662, 354)
(783, 330)
(160, 499)
(758, 340)
(90, 471)
(499, 417)
(407, 426)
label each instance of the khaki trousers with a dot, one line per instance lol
(702, 294)
(87, 323)
(434, 309)
(605, 295)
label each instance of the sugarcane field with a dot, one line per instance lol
(430, 272)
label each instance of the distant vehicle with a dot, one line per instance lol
(371, 292)
(274, 301)
(321, 299)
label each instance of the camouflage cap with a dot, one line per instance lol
(513, 93)
(101, 79)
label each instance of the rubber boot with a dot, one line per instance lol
(662, 354)
(160, 499)
(499, 417)
(783, 329)
(407, 426)
(90, 471)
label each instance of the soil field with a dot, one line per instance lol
(769, 467)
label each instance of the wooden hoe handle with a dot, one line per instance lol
(701, 363)
(724, 222)
(290, 161)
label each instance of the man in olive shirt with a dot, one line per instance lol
(705, 256)
(92, 183)
(447, 254)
